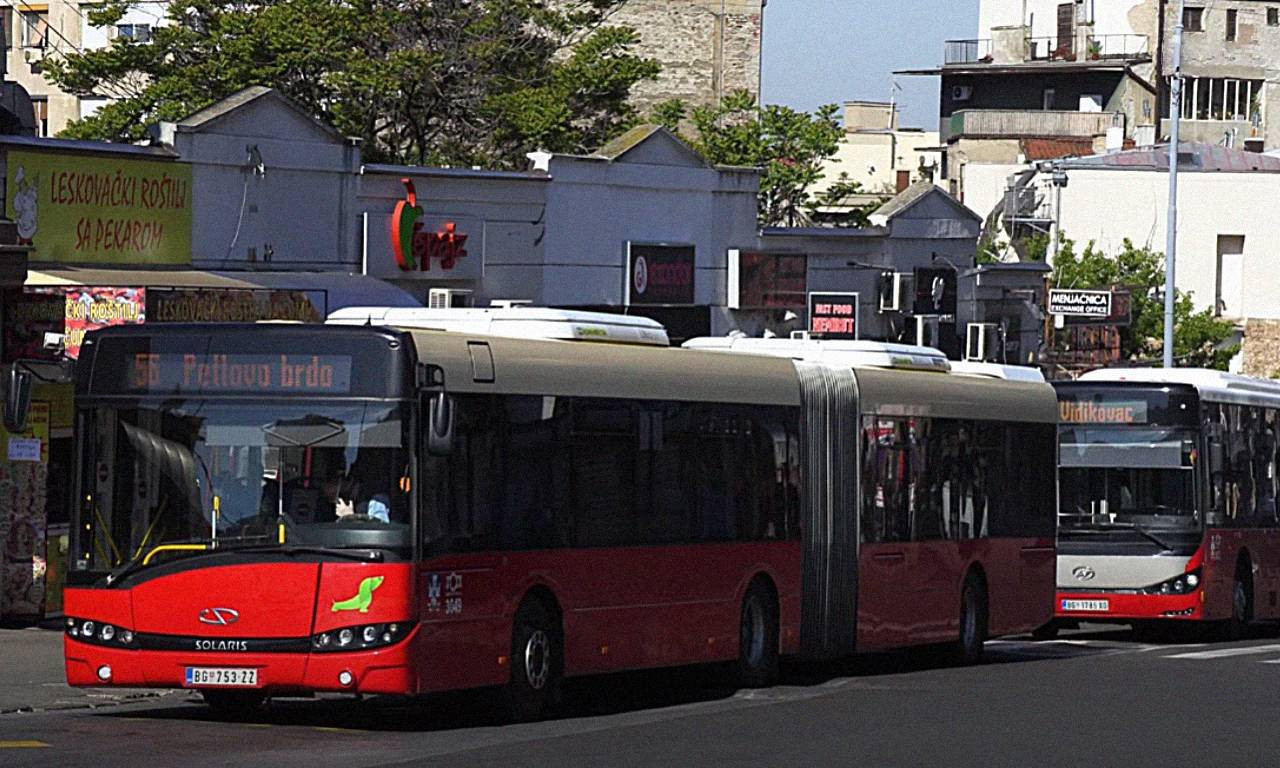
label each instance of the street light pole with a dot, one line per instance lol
(1171, 226)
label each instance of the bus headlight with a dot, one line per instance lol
(361, 638)
(1179, 585)
(99, 633)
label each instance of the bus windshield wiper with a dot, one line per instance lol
(362, 555)
(140, 559)
(1105, 527)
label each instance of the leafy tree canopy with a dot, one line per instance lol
(1197, 336)
(432, 82)
(789, 147)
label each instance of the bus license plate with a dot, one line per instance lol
(228, 677)
(1097, 606)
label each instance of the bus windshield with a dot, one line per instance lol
(201, 471)
(1126, 477)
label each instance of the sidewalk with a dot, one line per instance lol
(32, 678)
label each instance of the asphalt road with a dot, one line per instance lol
(1090, 698)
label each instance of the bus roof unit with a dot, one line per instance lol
(855, 354)
(1216, 385)
(516, 322)
(998, 371)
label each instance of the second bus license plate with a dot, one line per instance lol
(1097, 606)
(229, 677)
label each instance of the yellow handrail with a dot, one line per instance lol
(174, 548)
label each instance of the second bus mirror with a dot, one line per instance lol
(17, 399)
(1217, 457)
(440, 419)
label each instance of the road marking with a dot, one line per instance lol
(1226, 653)
(22, 744)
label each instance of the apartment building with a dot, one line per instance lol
(879, 154)
(36, 32)
(1231, 64)
(1048, 79)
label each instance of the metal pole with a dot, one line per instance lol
(1171, 225)
(1056, 238)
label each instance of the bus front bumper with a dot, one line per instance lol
(1127, 606)
(384, 670)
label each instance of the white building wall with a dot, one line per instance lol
(1111, 17)
(874, 159)
(1107, 206)
(585, 249)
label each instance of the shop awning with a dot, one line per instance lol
(339, 289)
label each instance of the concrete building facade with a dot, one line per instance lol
(707, 48)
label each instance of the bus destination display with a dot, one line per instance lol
(1109, 412)
(189, 372)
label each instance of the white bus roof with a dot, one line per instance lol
(998, 371)
(854, 354)
(1212, 385)
(513, 322)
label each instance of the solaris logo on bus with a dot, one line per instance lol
(413, 247)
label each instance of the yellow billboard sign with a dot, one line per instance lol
(78, 209)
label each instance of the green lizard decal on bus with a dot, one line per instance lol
(363, 598)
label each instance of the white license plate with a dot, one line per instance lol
(228, 677)
(1097, 606)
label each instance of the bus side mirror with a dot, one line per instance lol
(440, 419)
(17, 399)
(1217, 457)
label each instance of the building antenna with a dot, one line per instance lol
(893, 93)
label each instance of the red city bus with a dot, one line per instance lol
(272, 510)
(1168, 506)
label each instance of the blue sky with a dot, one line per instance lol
(830, 51)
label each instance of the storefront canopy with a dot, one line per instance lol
(339, 289)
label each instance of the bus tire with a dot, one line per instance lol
(758, 638)
(973, 621)
(537, 663)
(1241, 601)
(234, 705)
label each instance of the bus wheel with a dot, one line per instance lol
(973, 622)
(1241, 603)
(234, 705)
(758, 638)
(536, 664)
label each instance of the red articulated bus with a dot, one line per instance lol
(1168, 499)
(280, 509)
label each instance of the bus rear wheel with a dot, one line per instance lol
(758, 638)
(234, 705)
(973, 622)
(536, 664)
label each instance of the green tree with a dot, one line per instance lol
(789, 148)
(1198, 336)
(442, 82)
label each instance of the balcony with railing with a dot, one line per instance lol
(1013, 123)
(1023, 49)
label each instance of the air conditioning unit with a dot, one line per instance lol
(961, 92)
(981, 341)
(32, 54)
(893, 286)
(926, 331)
(448, 298)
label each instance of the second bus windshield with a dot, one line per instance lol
(1134, 476)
